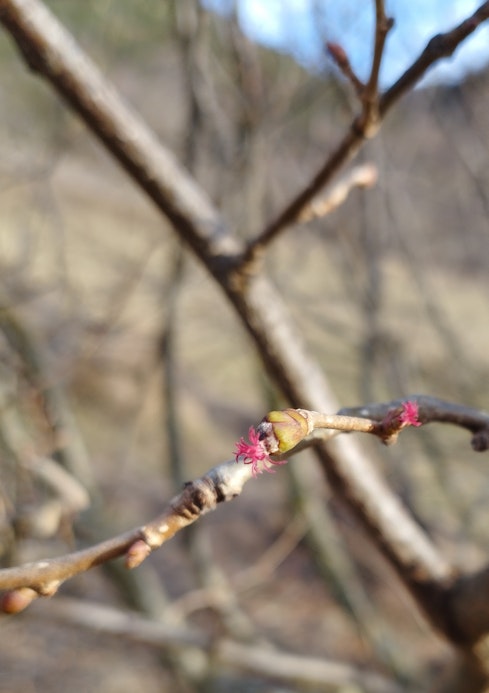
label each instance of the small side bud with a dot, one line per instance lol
(15, 601)
(338, 53)
(49, 588)
(137, 553)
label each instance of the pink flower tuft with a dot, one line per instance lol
(254, 453)
(409, 416)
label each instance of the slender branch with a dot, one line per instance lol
(343, 152)
(223, 483)
(383, 25)
(342, 61)
(440, 46)
(431, 410)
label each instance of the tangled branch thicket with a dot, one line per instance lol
(452, 599)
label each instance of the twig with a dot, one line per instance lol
(440, 46)
(223, 483)
(344, 151)
(431, 410)
(370, 97)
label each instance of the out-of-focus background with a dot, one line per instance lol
(106, 322)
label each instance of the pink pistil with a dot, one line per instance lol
(255, 453)
(409, 416)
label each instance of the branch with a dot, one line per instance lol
(279, 432)
(367, 122)
(370, 97)
(431, 410)
(44, 577)
(440, 46)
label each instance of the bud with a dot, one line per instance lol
(136, 553)
(338, 53)
(286, 429)
(17, 600)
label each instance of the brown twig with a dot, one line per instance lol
(370, 97)
(440, 46)
(431, 410)
(222, 483)
(362, 126)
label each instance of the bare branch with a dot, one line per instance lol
(222, 483)
(344, 152)
(430, 410)
(440, 46)
(383, 25)
(364, 125)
